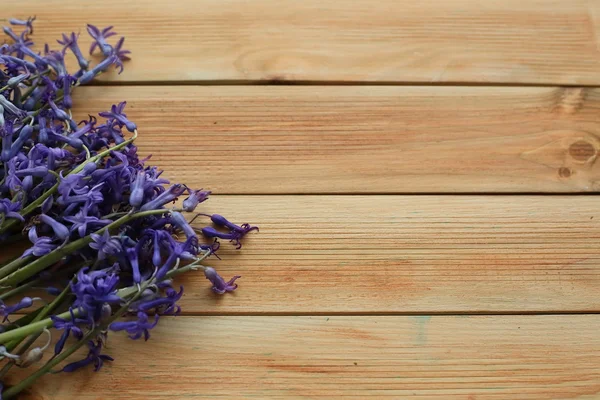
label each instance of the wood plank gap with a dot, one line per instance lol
(276, 82)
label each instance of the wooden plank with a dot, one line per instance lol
(417, 254)
(510, 41)
(405, 254)
(499, 357)
(366, 139)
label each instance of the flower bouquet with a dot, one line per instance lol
(105, 239)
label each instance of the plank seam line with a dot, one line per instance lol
(234, 82)
(387, 314)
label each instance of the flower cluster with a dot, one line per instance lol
(98, 218)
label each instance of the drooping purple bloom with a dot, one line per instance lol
(166, 305)
(61, 231)
(116, 113)
(41, 245)
(93, 290)
(5, 310)
(102, 66)
(136, 329)
(105, 244)
(8, 209)
(219, 284)
(180, 222)
(27, 23)
(94, 357)
(195, 197)
(132, 256)
(70, 42)
(81, 221)
(68, 326)
(234, 236)
(120, 52)
(137, 189)
(100, 37)
(166, 197)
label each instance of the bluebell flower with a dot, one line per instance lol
(195, 197)
(5, 310)
(100, 37)
(8, 209)
(137, 189)
(235, 234)
(102, 66)
(28, 23)
(61, 231)
(94, 289)
(116, 113)
(41, 245)
(94, 357)
(136, 329)
(120, 52)
(70, 42)
(180, 222)
(105, 245)
(81, 221)
(132, 257)
(171, 194)
(68, 326)
(166, 305)
(219, 284)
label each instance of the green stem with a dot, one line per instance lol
(43, 262)
(14, 265)
(19, 289)
(27, 382)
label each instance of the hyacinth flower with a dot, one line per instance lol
(106, 235)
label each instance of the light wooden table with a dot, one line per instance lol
(416, 188)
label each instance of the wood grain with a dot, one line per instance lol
(366, 139)
(502, 357)
(510, 41)
(399, 254)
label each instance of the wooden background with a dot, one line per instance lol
(423, 173)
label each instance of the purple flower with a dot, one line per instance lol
(9, 209)
(70, 42)
(93, 357)
(219, 284)
(41, 245)
(136, 329)
(27, 23)
(116, 113)
(166, 197)
(235, 234)
(61, 231)
(105, 244)
(68, 326)
(81, 220)
(121, 53)
(137, 189)
(195, 197)
(163, 305)
(132, 256)
(5, 310)
(180, 222)
(93, 290)
(99, 37)
(102, 66)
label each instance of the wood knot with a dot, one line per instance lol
(570, 100)
(582, 151)
(564, 172)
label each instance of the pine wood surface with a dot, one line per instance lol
(423, 174)
(387, 41)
